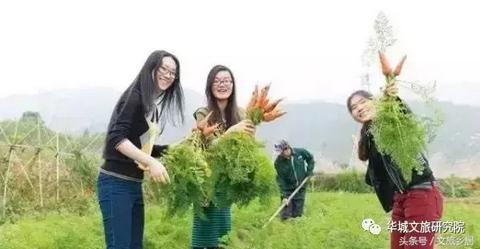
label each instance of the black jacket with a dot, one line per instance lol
(127, 122)
(385, 176)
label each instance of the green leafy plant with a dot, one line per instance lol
(398, 134)
(241, 170)
(191, 182)
(396, 130)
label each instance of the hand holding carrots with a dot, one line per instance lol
(261, 109)
(245, 125)
(204, 127)
(391, 89)
(158, 172)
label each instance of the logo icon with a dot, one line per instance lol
(370, 226)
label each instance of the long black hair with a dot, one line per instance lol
(363, 141)
(172, 102)
(232, 115)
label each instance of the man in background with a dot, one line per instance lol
(293, 165)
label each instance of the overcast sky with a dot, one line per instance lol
(309, 50)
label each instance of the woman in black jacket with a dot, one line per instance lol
(412, 200)
(154, 97)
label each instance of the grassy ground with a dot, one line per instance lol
(332, 220)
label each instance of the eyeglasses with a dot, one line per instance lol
(167, 72)
(217, 82)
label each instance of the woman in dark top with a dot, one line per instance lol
(417, 201)
(154, 98)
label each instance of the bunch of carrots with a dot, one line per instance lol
(397, 132)
(390, 74)
(196, 168)
(261, 109)
(189, 170)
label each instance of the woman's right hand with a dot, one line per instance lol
(158, 172)
(245, 125)
(391, 89)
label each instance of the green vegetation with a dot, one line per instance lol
(332, 220)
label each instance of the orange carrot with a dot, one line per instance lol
(267, 89)
(270, 106)
(273, 114)
(262, 96)
(386, 69)
(265, 103)
(204, 122)
(399, 66)
(144, 168)
(259, 98)
(253, 99)
(210, 129)
(270, 116)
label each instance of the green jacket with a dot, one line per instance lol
(291, 172)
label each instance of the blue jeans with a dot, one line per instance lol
(121, 203)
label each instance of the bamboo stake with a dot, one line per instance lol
(39, 161)
(91, 142)
(4, 135)
(24, 170)
(5, 183)
(26, 136)
(5, 186)
(57, 162)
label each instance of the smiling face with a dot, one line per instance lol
(362, 109)
(222, 86)
(166, 73)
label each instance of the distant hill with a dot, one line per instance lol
(324, 128)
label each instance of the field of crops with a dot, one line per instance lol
(48, 202)
(332, 220)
